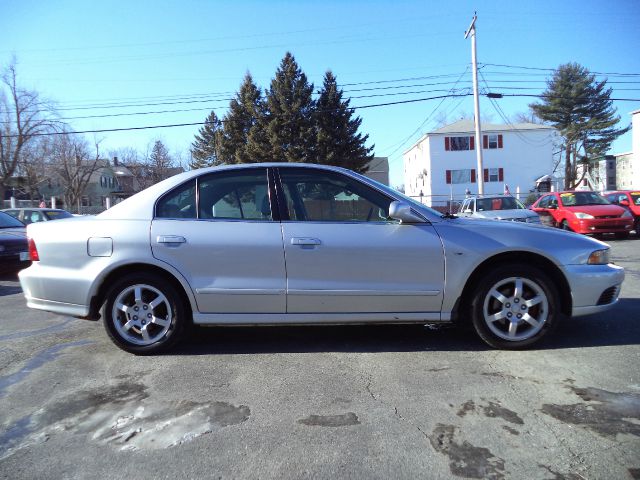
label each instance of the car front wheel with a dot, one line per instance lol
(514, 307)
(144, 314)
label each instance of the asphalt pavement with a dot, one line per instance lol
(322, 402)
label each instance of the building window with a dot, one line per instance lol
(461, 176)
(458, 143)
(493, 175)
(492, 141)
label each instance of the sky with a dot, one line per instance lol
(131, 64)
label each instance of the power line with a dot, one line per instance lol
(105, 130)
(554, 69)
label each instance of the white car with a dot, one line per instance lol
(497, 207)
(280, 243)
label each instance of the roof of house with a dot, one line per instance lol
(468, 126)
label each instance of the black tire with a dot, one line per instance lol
(565, 226)
(152, 323)
(508, 322)
(636, 226)
(622, 235)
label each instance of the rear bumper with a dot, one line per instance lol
(594, 288)
(58, 307)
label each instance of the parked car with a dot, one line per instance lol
(583, 212)
(629, 199)
(13, 244)
(33, 215)
(497, 207)
(259, 244)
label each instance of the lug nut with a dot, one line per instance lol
(509, 315)
(516, 300)
(508, 305)
(524, 307)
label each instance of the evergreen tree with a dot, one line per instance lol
(246, 110)
(337, 139)
(206, 146)
(580, 107)
(288, 127)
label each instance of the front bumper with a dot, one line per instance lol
(592, 287)
(602, 225)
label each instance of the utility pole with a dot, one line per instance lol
(472, 31)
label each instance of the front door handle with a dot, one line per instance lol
(305, 241)
(171, 239)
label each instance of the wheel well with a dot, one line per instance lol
(547, 266)
(98, 300)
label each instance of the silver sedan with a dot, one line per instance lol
(278, 243)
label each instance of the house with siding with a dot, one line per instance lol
(442, 165)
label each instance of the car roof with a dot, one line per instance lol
(139, 205)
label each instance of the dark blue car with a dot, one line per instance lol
(14, 249)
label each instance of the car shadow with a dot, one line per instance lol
(619, 326)
(13, 286)
(330, 338)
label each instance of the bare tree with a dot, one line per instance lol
(23, 117)
(74, 162)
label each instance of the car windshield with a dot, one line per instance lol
(635, 197)
(576, 199)
(57, 214)
(7, 221)
(498, 203)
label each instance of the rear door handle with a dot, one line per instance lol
(305, 241)
(171, 239)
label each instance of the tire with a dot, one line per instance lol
(514, 307)
(636, 226)
(565, 226)
(144, 314)
(621, 235)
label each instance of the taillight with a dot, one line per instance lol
(33, 251)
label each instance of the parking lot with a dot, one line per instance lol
(322, 402)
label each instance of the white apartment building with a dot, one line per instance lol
(442, 165)
(628, 164)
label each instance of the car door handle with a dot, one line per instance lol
(305, 241)
(171, 239)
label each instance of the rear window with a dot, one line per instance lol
(7, 221)
(57, 214)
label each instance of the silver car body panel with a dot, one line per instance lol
(269, 272)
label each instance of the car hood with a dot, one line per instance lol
(479, 237)
(505, 214)
(597, 210)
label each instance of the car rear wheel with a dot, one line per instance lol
(144, 314)
(515, 307)
(636, 226)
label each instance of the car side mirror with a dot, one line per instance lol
(552, 207)
(402, 211)
(624, 203)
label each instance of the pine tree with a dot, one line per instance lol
(206, 146)
(159, 162)
(246, 110)
(337, 139)
(288, 126)
(581, 109)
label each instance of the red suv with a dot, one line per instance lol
(583, 212)
(630, 200)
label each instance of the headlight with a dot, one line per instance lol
(583, 216)
(599, 257)
(626, 214)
